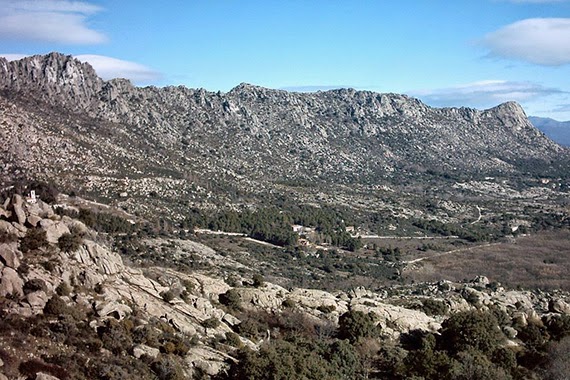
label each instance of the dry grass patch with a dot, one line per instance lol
(537, 261)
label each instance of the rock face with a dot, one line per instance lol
(249, 136)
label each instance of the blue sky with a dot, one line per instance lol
(475, 53)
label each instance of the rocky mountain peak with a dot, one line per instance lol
(54, 77)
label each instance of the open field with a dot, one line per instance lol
(535, 261)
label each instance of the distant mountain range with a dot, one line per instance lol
(186, 147)
(558, 131)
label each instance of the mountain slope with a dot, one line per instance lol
(198, 147)
(558, 131)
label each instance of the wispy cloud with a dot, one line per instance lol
(109, 68)
(562, 108)
(13, 56)
(483, 94)
(542, 41)
(59, 21)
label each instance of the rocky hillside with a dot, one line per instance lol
(72, 309)
(65, 122)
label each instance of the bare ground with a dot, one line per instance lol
(536, 261)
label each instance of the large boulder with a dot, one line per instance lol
(206, 359)
(5, 214)
(314, 298)
(37, 300)
(113, 309)
(558, 306)
(92, 254)
(262, 297)
(142, 349)
(395, 319)
(18, 209)
(33, 220)
(8, 228)
(54, 229)
(11, 283)
(9, 255)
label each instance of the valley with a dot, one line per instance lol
(180, 233)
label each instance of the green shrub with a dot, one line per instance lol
(35, 238)
(233, 339)
(434, 307)
(211, 323)
(63, 289)
(471, 330)
(258, 280)
(288, 303)
(69, 242)
(115, 337)
(34, 285)
(231, 299)
(355, 324)
(6, 237)
(327, 309)
(56, 306)
(167, 368)
(168, 295)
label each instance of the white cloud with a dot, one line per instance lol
(484, 94)
(109, 68)
(12, 56)
(58, 21)
(542, 41)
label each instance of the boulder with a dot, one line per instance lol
(260, 298)
(475, 297)
(112, 308)
(510, 332)
(206, 359)
(54, 229)
(18, 209)
(313, 298)
(519, 319)
(33, 220)
(142, 349)
(358, 292)
(558, 306)
(11, 283)
(395, 319)
(5, 214)
(37, 300)
(230, 320)
(480, 281)
(46, 211)
(45, 376)
(75, 225)
(445, 286)
(92, 254)
(9, 228)
(20, 228)
(9, 255)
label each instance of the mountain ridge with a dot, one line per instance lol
(250, 143)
